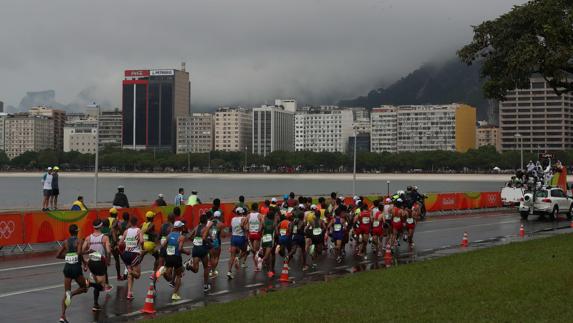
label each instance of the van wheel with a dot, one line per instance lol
(524, 215)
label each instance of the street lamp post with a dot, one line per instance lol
(354, 169)
(96, 166)
(388, 188)
(187, 130)
(245, 159)
(519, 138)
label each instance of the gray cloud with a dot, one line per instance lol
(248, 51)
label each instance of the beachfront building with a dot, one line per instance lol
(423, 128)
(536, 118)
(322, 129)
(488, 135)
(151, 103)
(3, 117)
(273, 130)
(24, 132)
(233, 129)
(59, 117)
(110, 128)
(195, 133)
(81, 136)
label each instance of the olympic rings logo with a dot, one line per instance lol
(6, 229)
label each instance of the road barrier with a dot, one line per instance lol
(22, 229)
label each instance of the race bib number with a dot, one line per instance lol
(95, 256)
(131, 242)
(146, 237)
(397, 220)
(170, 250)
(71, 258)
(198, 241)
(283, 232)
(376, 224)
(387, 216)
(163, 240)
(337, 227)
(365, 220)
(214, 234)
(295, 229)
(410, 221)
(316, 231)
(267, 238)
(254, 227)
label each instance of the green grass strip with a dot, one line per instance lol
(530, 281)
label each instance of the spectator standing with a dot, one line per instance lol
(180, 197)
(120, 199)
(47, 189)
(55, 188)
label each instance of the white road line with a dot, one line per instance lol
(341, 267)
(254, 285)
(31, 266)
(219, 292)
(316, 273)
(467, 226)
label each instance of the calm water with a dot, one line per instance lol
(25, 192)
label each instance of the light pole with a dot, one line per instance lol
(187, 130)
(245, 159)
(354, 169)
(388, 188)
(519, 138)
(96, 166)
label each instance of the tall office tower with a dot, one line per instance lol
(273, 130)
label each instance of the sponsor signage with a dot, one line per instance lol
(162, 72)
(136, 73)
(545, 156)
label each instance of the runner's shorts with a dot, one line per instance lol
(284, 241)
(238, 241)
(131, 259)
(73, 271)
(199, 251)
(174, 262)
(97, 268)
(254, 236)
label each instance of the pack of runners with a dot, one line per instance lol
(303, 228)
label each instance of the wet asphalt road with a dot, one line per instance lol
(31, 286)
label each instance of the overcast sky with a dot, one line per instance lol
(248, 51)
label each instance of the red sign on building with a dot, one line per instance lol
(136, 73)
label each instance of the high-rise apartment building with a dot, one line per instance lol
(152, 102)
(3, 117)
(233, 129)
(59, 117)
(423, 128)
(195, 133)
(81, 136)
(24, 132)
(536, 118)
(273, 130)
(1, 107)
(110, 128)
(322, 129)
(288, 104)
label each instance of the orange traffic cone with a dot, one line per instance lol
(465, 241)
(388, 256)
(522, 231)
(284, 273)
(149, 306)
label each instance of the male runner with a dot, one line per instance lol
(71, 252)
(200, 252)
(150, 238)
(173, 269)
(97, 247)
(255, 232)
(217, 227)
(267, 242)
(338, 227)
(133, 241)
(239, 225)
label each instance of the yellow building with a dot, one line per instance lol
(465, 120)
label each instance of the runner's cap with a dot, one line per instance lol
(178, 224)
(274, 200)
(217, 214)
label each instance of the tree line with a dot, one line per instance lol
(483, 159)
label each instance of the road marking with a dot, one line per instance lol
(467, 226)
(219, 292)
(341, 267)
(32, 266)
(254, 285)
(39, 289)
(183, 301)
(316, 273)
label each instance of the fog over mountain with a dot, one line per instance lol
(238, 52)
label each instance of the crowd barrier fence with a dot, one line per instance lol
(22, 229)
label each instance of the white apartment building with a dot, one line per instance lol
(273, 130)
(536, 118)
(322, 129)
(423, 128)
(81, 136)
(195, 133)
(59, 117)
(233, 129)
(3, 117)
(110, 128)
(28, 133)
(362, 125)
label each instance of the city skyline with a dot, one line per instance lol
(315, 51)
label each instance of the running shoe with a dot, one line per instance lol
(96, 308)
(130, 296)
(108, 288)
(244, 263)
(175, 297)
(160, 272)
(172, 284)
(270, 274)
(68, 300)
(305, 268)
(230, 275)
(206, 288)
(215, 273)
(187, 265)
(339, 259)
(63, 320)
